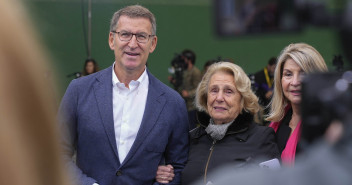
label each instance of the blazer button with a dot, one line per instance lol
(119, 173)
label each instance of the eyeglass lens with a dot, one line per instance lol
(127, 36)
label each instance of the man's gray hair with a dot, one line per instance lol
(134, 11)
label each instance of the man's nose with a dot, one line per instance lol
(133, 43)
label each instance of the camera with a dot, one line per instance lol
(75, 75)
(178, 65)
(326, 97)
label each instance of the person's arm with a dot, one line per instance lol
(176, 153)
(68, 123)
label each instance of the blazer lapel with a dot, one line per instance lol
(154, 105)
(103, 94)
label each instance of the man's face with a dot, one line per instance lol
(271, 69)
(186, 60)
(131, 56)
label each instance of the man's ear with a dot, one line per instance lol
(111, 41)
(154, 42)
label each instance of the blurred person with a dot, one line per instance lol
(30, 152)
(264, 83)
(227, 134)
(294, 62)
(191, 78)
(206, 66)
(228, 60)
(122, 120)
(90, 67)
(178, 65)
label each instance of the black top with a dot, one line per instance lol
(245, 144)
(283, 133)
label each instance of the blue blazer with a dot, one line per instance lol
(86, 119)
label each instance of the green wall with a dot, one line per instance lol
(181, 24)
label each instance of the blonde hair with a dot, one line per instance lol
(308, 58)
(28, 136)
(249, 101)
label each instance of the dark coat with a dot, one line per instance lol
(245, 144)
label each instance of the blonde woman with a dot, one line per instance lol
(28, 135)
(294, 62)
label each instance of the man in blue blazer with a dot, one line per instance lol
(122, 121)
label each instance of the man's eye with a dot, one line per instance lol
(125, 34)
(142, 36)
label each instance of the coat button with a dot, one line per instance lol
(118, 173)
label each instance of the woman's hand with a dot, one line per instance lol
(165, 174)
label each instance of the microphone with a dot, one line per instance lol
(75, 74)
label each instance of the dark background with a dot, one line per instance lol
(180, 24)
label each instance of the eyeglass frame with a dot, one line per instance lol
(135, 34)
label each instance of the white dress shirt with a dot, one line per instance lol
(128, 109)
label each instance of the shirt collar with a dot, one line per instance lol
(143, 79)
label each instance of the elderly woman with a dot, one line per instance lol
(227, 134)
(294, 61)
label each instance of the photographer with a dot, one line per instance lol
(176, 71)
(191, 79)
(263, 85)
